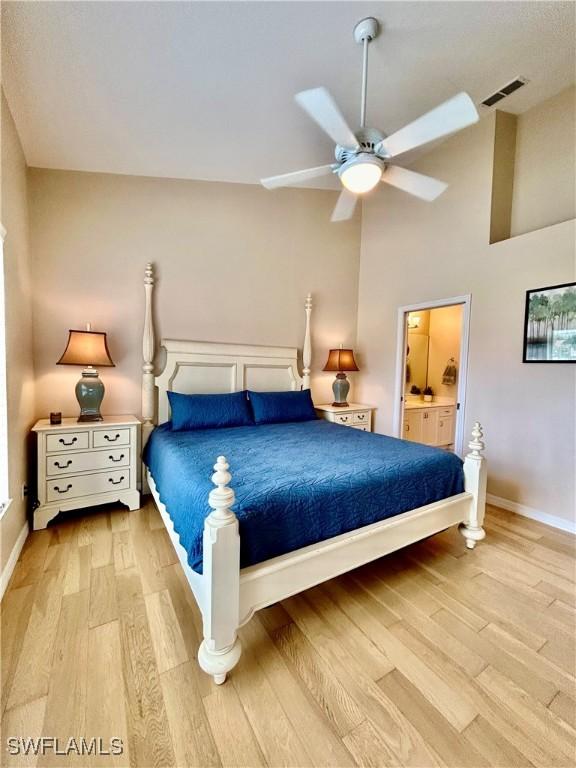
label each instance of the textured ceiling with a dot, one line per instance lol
(204, 90)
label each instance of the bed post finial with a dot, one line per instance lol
(220, 650)
(307, 348)
(222, 497)
(475, 476)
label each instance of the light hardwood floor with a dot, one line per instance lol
(432, 656)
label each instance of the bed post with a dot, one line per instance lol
(307, 348)
(475, 483)
(147, 367)
(220, 650)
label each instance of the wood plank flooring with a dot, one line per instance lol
(433, 656)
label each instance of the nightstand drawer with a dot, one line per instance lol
(344, 418)
(67, 441)
(86, 485)
(446, 411)
(102, 438)
(69, 464)
(361, 417)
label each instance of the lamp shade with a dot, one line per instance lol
(86, 348)
(341, 360)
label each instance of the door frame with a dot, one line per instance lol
(402, 333)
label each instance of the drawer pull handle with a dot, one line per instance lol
(407, 427)
(116, 482)
(343, 418)
(112, 439)
(68, 487)
(63, 466)
(74, 440)
(361, 416)
(116, 460)
(441, 423)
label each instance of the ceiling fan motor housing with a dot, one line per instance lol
(368, 138)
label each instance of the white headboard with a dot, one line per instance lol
(203, 367)
(212, 367)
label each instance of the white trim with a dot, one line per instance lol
(533, 514)
(13, 559)
(465, 301)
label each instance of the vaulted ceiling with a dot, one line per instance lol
(204, 90)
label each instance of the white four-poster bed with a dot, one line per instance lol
(228, 595)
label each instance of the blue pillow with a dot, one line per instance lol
(206, 411)
(278, 407)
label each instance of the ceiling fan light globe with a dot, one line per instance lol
(361, 174)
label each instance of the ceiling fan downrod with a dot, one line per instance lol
(364, 32)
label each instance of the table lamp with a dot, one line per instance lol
(341, 360)
(88, 348)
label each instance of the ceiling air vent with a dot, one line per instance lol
(505, 91)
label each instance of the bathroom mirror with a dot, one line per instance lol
(417, 350)
(416, 361)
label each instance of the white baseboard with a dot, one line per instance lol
(534, 514)
(13, 559)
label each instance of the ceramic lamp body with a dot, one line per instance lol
(340, 387)
(90, 393)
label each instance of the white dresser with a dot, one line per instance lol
(353, 415)
(81, 464)
(429, 423)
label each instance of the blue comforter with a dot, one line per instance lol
(295, 483)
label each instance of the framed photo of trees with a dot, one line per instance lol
(550, 325)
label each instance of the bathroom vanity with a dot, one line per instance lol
(429, 423)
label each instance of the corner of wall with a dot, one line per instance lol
(505, 125)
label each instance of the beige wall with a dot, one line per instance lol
(445, 333)
(544, 176)
(20, 374)
(234, 264)
(413, 252)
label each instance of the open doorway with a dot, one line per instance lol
(431, 370)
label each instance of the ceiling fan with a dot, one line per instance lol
(368, 156)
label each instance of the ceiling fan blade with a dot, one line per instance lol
(322, 108)
(286, 179)
(345, 206)
(451, 116)
(424, 187)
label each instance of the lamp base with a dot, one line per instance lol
(340, 387)
(90, 417)
(90, 393)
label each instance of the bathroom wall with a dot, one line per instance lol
(444, 342)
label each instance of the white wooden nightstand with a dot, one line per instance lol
(353, 415)
(81, 464)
